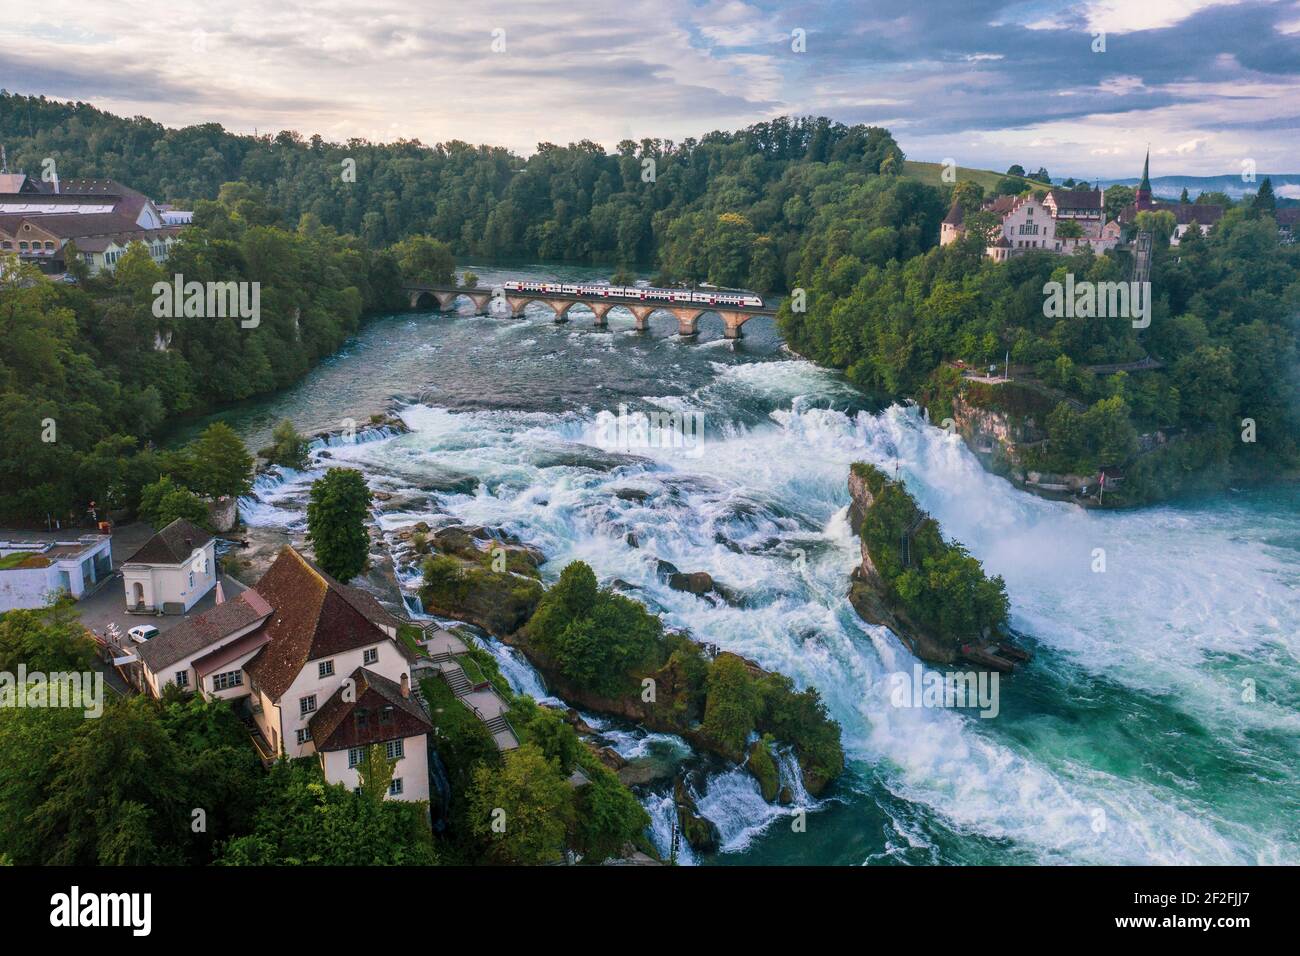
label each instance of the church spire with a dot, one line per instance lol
(1142, 197)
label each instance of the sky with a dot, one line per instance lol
(1079, 87)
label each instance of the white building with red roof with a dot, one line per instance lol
(41, 222)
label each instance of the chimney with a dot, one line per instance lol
(220, 595)
(406, 686)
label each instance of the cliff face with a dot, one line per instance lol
(998, 439)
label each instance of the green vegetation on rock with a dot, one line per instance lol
(288, 448)
(937, 584)
(607, 649)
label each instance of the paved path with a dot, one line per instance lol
(108, 605)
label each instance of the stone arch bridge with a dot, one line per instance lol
(687, 313)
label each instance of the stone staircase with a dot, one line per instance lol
(455, 677)
(441, 649)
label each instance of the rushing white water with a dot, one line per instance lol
(1152, 652)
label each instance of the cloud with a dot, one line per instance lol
(988, 81)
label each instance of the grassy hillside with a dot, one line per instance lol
(930, 173)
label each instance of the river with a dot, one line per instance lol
(1158, 723)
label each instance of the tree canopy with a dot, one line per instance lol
(337, 512)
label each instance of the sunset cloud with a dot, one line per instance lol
(985, 81)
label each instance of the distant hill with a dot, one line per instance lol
(1285, 185)
(931, 173)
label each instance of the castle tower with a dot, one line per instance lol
(1142, 196)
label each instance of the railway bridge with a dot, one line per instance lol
(489, 301)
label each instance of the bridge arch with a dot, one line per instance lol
(688, 315)
(444, 300)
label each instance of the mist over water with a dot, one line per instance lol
(1132, 737)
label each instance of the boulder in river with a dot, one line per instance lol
(700, 832)
(763, 768)
(611, 758)
(697, 582)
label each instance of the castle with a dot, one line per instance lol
(1028, 223)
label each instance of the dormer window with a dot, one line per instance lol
(386, 715)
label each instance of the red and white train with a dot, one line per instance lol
(637, 293)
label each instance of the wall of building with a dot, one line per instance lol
(267, 716)
(230, 693)
(164, 584)
(167, 675)
(391, 664)
(1030, 226)
(27, 587)
(412, 769)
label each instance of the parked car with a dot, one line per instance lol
(143, 632)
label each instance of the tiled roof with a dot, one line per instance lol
(100, 243)
(52, 201)
(955, 215)
(11, 224)
(1205, 214)
(222, 656)
(204, 630)
(172, 545)
(378, 712)
(1001, 205)
(98, 187)
(315, 616)
(1076, 198)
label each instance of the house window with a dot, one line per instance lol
(395, 788)
(370, 655)
(306, 705)
(304, 735)
(326, 668)
(227, 680)
(355, 756)
(183, 678)
(395, 749)
(386, 715)
(191, 579)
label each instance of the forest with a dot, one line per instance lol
(728, 207)
(1222, 332)
(804, 206)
